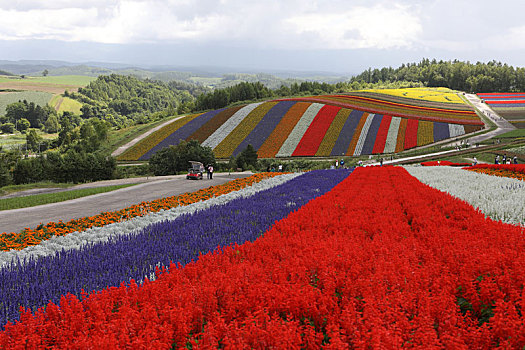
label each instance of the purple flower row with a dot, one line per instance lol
(97, 266)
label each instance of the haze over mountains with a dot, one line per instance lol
(163, 72)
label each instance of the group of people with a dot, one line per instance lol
(506, 160)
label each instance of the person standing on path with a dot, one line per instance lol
(210, 169)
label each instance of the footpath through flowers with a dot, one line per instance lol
(380, 261)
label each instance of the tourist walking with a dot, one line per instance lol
(210, 170)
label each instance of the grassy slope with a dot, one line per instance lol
(62, 104)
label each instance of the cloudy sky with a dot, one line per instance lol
(340, 36)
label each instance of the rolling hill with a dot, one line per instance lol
(360, 123)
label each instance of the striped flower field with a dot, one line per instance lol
(510, 106)
(331, 125)
(338, 259)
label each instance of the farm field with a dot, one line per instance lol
(38, 97)
(361, 123)
(406, 265)
(51, 84)
(510, 106)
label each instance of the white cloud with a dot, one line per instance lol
(361, 27)
(271, 23)
(512, 39)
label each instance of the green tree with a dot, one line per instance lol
(22, 125)
(173, 159)
(28, 170)
(7, 128)
(52, 124)
(248, 157)
(15, 111)
(45, 72)
(33, 140)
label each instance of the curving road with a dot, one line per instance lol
(158, 187)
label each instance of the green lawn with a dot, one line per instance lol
(46, 198)
(512, 134)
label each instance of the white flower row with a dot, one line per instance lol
(456, 130)
(299, 130)
(500, 198)
(76, 240)
(225, 129)
(362, 136)
(391, 138)
(520, 150)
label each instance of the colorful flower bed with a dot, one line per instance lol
(229, 125)
(230, 143)
(516, 171)
(443, 95)
(330, 125)
(180, 240)
(510, 106)
(29, 237)
(273, 143)
(183, 132)
(264, 127)
(150, 141)
(298, 131)
(211, 126)
(372, 104)
(313, 136)
(404, 266)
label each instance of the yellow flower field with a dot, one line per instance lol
(429, 94)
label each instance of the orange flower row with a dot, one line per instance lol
(29, 237)
(499, 172)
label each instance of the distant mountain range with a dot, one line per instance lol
(208, 76)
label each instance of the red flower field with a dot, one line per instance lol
(381, 261)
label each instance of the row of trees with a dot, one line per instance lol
(247, 91)
(458, 75)
(72, 166)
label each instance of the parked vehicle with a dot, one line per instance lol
(196, 170)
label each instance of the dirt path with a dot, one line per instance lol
(162, 186)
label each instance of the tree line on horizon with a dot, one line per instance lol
(476, 77)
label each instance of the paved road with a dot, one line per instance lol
(15, 220)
